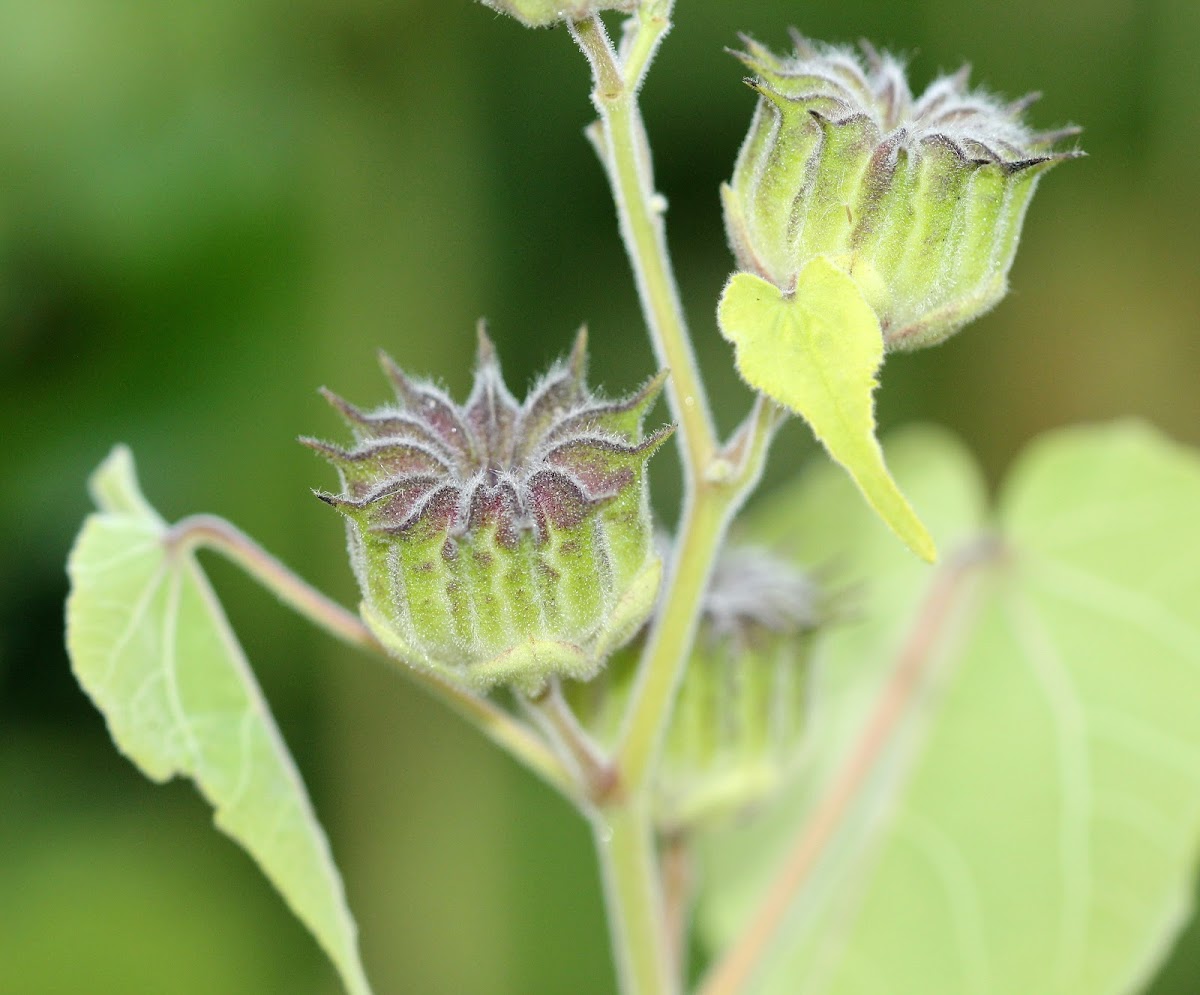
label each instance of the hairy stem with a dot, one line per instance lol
(218, 535)
(625, 850)
(708, 510)
(643, 34)
(716, 482)
(552, 711)
(639, 214)
(909, 676)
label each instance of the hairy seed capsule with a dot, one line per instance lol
(740, 721)
(741, 718)
(498, 542)
(920, 201)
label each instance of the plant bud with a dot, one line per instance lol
(920, 201)
(498, 542)
(542, 13)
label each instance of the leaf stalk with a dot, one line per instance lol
(220, 536)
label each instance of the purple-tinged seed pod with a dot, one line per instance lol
(500, 542)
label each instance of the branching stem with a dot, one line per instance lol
(709, 508)
(716, 482)
(554, 713)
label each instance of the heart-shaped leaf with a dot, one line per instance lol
(150, 644)
(817, 351)
(1032, 825)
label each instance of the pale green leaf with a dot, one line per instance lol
(817, 351)
(1034, 826)
(819, 522)
(150, 644)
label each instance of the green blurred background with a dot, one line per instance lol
(208, 209)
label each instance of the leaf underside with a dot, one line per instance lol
(150, 645)
(1033, 826)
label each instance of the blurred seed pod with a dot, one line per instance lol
(739, 726)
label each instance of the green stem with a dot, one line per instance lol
(625, 850)
(706, 517)
(218, 535)
(627, 159)
(642, 38)
(707, 513)
(562, 727)
(716, 482)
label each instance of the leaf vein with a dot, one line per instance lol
(1074, 774)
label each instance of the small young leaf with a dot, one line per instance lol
(817, 351)
(1033, 827)
(150, 644)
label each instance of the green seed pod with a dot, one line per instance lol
(542, 13)
(498, 542)
(740, 721)
(738, 730)
(920, 201)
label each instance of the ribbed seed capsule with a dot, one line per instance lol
(920, 201)
(498, 542)
(740, 721)
(741, 717)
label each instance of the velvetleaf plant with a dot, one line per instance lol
(799, 746)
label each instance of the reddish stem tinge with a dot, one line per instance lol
(909, 675)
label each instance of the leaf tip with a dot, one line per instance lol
(923, 545)
(114, 487)
(886, 498)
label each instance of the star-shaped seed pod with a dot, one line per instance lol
(920, 200)
(500, 542)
